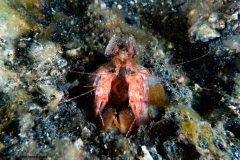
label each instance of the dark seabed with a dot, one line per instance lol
(43, 44)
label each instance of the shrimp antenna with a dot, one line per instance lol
(101, 117)
(130, 128)
(81, 72)
(160, 79)
(184, 62)
(77, 96)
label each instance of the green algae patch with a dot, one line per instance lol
(112, 20)
(202, 135)
(13, 23)
(196, 131)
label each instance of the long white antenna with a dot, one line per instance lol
(130, 128)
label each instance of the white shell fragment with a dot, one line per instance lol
(146, 153)
(213, 18)
(203, 33)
